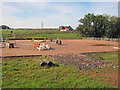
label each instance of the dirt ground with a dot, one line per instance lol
(70, 53)
(25, 47)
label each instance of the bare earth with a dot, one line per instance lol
(25, 47)
(69, 53)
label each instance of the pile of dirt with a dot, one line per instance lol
(83, 62)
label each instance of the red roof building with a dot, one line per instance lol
(65, 28)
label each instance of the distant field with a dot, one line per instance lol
(39, 34)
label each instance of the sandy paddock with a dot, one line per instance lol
(25, 47)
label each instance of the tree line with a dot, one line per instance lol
(4, 27)
(99, 26)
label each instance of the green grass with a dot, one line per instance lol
(60, 35)
(110, 56)
(40, 34)
(27, 73)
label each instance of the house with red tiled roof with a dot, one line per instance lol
(65, 28)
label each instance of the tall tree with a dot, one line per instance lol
(112, 31)
(86, 25)
(99, 26)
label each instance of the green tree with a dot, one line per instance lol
(87, 20)
(113, 30)
(85, 28)
(99, 26)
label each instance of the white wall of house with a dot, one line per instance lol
(63, 30)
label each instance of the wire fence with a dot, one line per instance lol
(105, 39)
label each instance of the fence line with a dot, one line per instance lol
(105, 39)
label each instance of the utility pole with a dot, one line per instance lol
(42, 25)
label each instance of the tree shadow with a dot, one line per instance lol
(102, 45)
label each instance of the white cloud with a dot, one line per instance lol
(50, 20)
(0, 12)
(9, 9)
(39, 5)
(110, 8)
(66, 15)
(63, 8)
(60, 0)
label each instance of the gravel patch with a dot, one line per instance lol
(83, 62)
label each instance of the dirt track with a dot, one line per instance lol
(25, 47)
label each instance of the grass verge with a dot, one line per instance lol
(27, 73)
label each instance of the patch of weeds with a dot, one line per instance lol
(105, 72)
(5, 64)
(110, 56)
(101, 79)
(98, 68)
(110, 72)
(19, 59)
(113, 83)
(97, 72)
(109, 78)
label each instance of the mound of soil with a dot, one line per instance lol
(83, 62)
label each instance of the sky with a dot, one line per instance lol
(53, 14)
